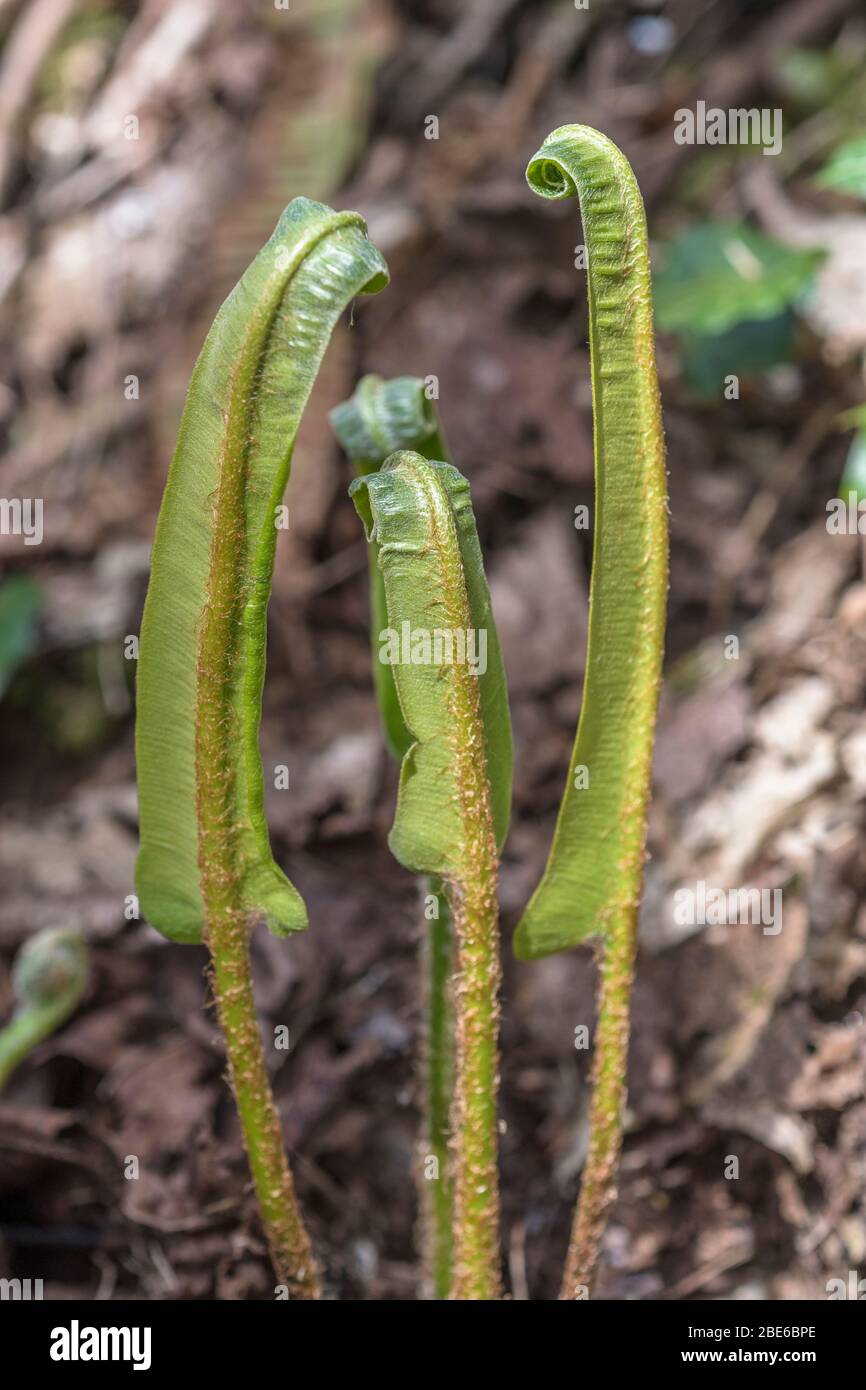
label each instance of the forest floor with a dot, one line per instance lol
(745, 1163)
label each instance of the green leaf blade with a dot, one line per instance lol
(203, 636)
(592, 881)
(419, 513)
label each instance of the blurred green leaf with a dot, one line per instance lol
(853, 419)
(718, 274)
(746, 349)
(845, 170)
(854, 474)
(20, 606)
(86, 41)
(813, 76)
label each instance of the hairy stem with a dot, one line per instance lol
(229, 942)
(476, 1206)
(227, 920)
(472, 898)
(436, 1191)
(610, 1063)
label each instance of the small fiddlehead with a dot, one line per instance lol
(455, 793)
(592, 883)
(379, 419)
(49, 978)
(205, 869)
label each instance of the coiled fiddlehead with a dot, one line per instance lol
(379, 419)
(49, 978)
